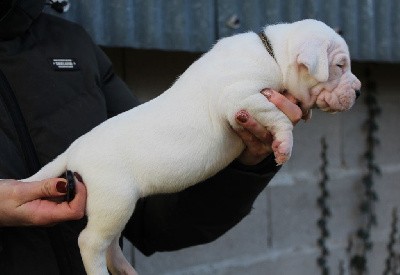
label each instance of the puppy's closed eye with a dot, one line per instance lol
(341, 63)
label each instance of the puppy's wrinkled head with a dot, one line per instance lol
(322, 61)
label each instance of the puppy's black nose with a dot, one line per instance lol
(358, 93)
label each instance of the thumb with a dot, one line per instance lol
(48, 188)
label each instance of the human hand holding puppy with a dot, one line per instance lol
(35, 203)
(256, 137)
(23, 204)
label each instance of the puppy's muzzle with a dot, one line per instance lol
(358, 93)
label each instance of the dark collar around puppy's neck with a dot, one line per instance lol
(267, 44)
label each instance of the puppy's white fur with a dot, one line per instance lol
(185, 135)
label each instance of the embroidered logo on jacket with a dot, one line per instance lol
(64, 64)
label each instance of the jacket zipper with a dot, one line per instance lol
(28, 150)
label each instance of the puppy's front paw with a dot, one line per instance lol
(282, 151)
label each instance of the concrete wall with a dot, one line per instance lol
(279, 236)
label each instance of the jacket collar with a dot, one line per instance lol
(18, 19)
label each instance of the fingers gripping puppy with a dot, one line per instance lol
(185, 135)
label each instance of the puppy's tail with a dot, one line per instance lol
(53, 169)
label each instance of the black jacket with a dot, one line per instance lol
(55, 85)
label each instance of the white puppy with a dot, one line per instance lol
(185, 135)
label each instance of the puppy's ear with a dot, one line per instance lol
(314, 56)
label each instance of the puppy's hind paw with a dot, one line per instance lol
(282, 152)
(281, 158)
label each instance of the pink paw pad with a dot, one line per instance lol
(281, 152)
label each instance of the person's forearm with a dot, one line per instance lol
(200, 213)
(228, 196)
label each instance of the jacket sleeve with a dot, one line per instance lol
(119, 98)
(199, 214)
